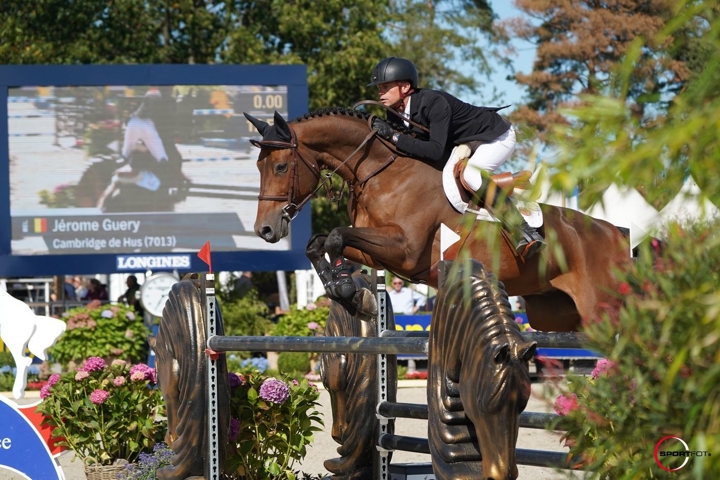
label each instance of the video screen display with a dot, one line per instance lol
(137, 168)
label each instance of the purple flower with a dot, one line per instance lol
(81, 375)
(45, 391)
(233, 379)
(54, 378)
(98, 397)
(603, 365)
(130, 316)
(234, 429)
(107, 314)
(93, 364)
(274, 390)
(313, 325)
(295, 382)
(119, 381)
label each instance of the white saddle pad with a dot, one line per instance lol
(529, 210)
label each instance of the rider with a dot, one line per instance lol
(452, 122)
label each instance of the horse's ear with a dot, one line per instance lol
(282, 128)
(261, 126)
(501, 354)
(526, 351)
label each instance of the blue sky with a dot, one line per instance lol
(510, 92)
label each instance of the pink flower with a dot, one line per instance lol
(93, 364)
(120, 363)
(148, 373)
(274, 390)
(625, 288)
(137, 377)
(81, 375)
(130, 316)
(129, 333)
(45, 391)
(313, 325)
(98, 397)
(310, 307)
(119, 381)
(54, 378)
(602, 366)
(565, 404)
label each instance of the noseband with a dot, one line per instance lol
(291, 210)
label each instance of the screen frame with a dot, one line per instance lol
(292, 76)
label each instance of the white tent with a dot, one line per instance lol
(688, 205)
(624, 208)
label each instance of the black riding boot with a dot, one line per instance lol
(526, 239)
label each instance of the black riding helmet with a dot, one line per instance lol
(394, 69)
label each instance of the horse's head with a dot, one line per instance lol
(500, 375)
(287, 178)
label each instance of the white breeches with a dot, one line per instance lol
(489, 156)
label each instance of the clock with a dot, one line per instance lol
(154, 292)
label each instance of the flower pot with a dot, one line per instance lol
(103, 472)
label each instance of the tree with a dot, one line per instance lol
(580, 42)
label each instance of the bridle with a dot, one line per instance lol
(291, 210)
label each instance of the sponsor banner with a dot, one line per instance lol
(153, 262)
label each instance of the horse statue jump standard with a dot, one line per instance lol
(396, 223)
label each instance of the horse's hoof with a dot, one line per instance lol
(366, 303)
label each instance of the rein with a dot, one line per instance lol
(380, 104)
(291, 210)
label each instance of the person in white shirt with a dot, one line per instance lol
(405, 300)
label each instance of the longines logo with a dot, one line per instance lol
(155, 262)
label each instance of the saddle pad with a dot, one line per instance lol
(529, 210)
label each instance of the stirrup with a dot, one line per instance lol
(530, 243)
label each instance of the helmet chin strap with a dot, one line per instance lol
(401, 104)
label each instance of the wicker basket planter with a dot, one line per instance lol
(103, 472)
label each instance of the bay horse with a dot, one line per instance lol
(397, 206)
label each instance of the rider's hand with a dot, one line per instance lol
(384, 130)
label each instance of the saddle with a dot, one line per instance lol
(506, 181)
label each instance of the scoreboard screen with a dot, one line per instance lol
(118, 161)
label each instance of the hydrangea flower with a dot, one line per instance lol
(130, 316)
(45, 391)
(313, 325)
(234, 429)
(233, 380)
(81, 375)
(566, 404)
(274, 390)
(137, 377)
(119, 381)
(119, 363)
(98, 397)
(93, 364)
(107, 314)
(148, 373)
(54, 378)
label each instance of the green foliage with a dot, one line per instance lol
(665, 378)
(302, 322)
(294, 362)
(107, 331)
(104, 413)
(247, 316)
(268, 437)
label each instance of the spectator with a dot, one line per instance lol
(405, 300)
(243, 284)
(131, 297)
(80, 289)
(95, 290)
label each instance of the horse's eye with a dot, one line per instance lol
(281, 168)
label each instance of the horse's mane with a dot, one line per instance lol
(349, 112)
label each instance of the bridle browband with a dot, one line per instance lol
(291, 210)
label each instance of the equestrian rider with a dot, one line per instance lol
(452, 122)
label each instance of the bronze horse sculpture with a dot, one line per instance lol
(397, 207)
(478, 382)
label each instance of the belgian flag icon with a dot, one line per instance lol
(40, 225)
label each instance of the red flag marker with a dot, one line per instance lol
(204, 255)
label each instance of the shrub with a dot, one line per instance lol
(246, 316)
(290, 362)
(107, 331)
(305, 322)
(663, 378)
(104, 412)
(273, 422)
